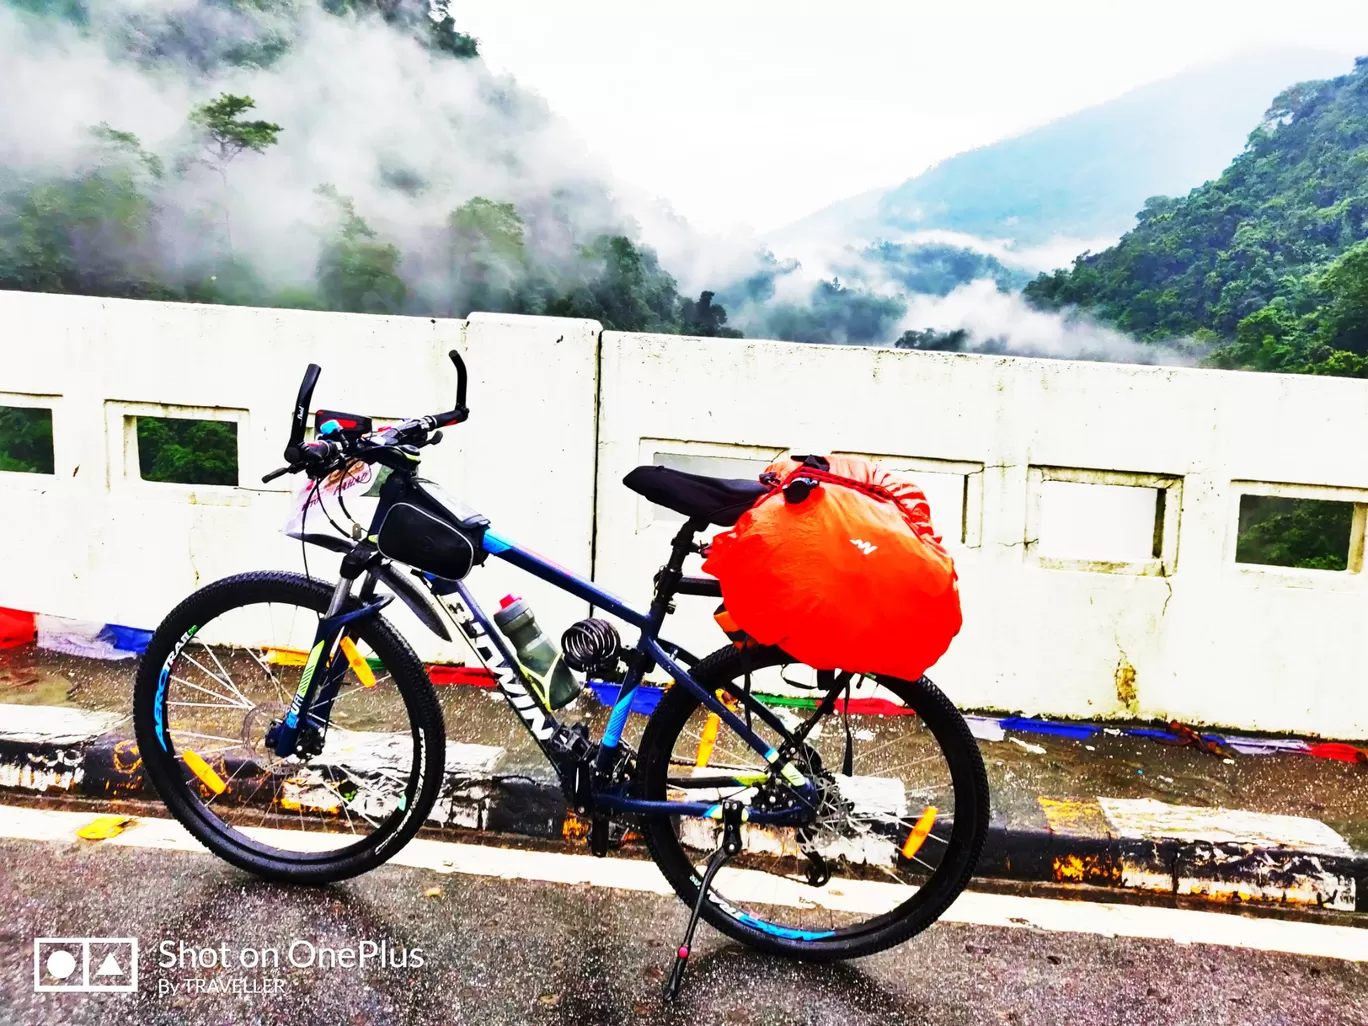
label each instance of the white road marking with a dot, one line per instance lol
(1182, 926)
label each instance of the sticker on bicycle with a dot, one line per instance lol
(312, 506)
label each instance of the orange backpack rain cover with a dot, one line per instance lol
(851, 577)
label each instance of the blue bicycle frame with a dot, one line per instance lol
(316, 691)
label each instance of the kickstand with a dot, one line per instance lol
(732, 811)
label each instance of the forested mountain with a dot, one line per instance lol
(359, 155)
(1270, 259)
(336, 154)
(1085, 175)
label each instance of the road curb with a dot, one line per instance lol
(1227, 872)
(1067, 842)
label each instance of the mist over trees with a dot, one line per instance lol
(359, 155)
(453, 191)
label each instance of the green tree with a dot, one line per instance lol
(620, 285)
(937, 269)
(488, 254)
(1344, 317)
(1268, 256)
(1330, 337)
(356, 272)
(116, 227)
(224, 134)
(837, 313)
(706, 318)
(93, 231)
(931, 340)
(186, 451)
(26, 439)
(445, 37)
(431, 22)
(1308, 533)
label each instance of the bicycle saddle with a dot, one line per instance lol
(717, 500)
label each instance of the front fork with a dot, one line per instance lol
(323, 670)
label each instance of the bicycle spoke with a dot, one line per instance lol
(233, 686)
(208, 737)
(214, 656)
(227, 783)
(226, 683)
(219, 749)
(347, 812)
(862, 827)
(280, 691)
(228, 703)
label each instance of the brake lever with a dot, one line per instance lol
(278, 472)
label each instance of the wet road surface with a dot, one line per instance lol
(515, 950)
(1108, 765)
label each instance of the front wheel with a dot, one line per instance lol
(222, 668)
(897, 826)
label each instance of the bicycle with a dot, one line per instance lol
(315, 754)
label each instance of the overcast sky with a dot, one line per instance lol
(756, 112)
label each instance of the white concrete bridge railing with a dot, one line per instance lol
(1092, 508)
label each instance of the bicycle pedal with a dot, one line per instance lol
(598, 836)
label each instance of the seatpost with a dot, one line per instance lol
(667, 581)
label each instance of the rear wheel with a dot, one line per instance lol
(899, 822)
(222, 669)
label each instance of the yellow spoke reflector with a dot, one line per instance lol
(102, 828)
(918, 834)
(287, 656)
(358, 663)
(204, 771)
(707, 740)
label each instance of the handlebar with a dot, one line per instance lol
(317, 457)
(460, 378)
(301, 411)
(460, 411)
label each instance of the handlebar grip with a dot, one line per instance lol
(319, 452)
(460, 379)
(450, 418)
(311, 454)
(301, 408)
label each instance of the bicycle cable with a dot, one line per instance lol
(323, 506)
(342, 503)
(304, 529)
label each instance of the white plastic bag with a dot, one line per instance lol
(315, 503)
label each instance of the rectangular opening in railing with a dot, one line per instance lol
(1300, 532)
(163, 444)
(1105, 521)
(182, 450)
(26, 439)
